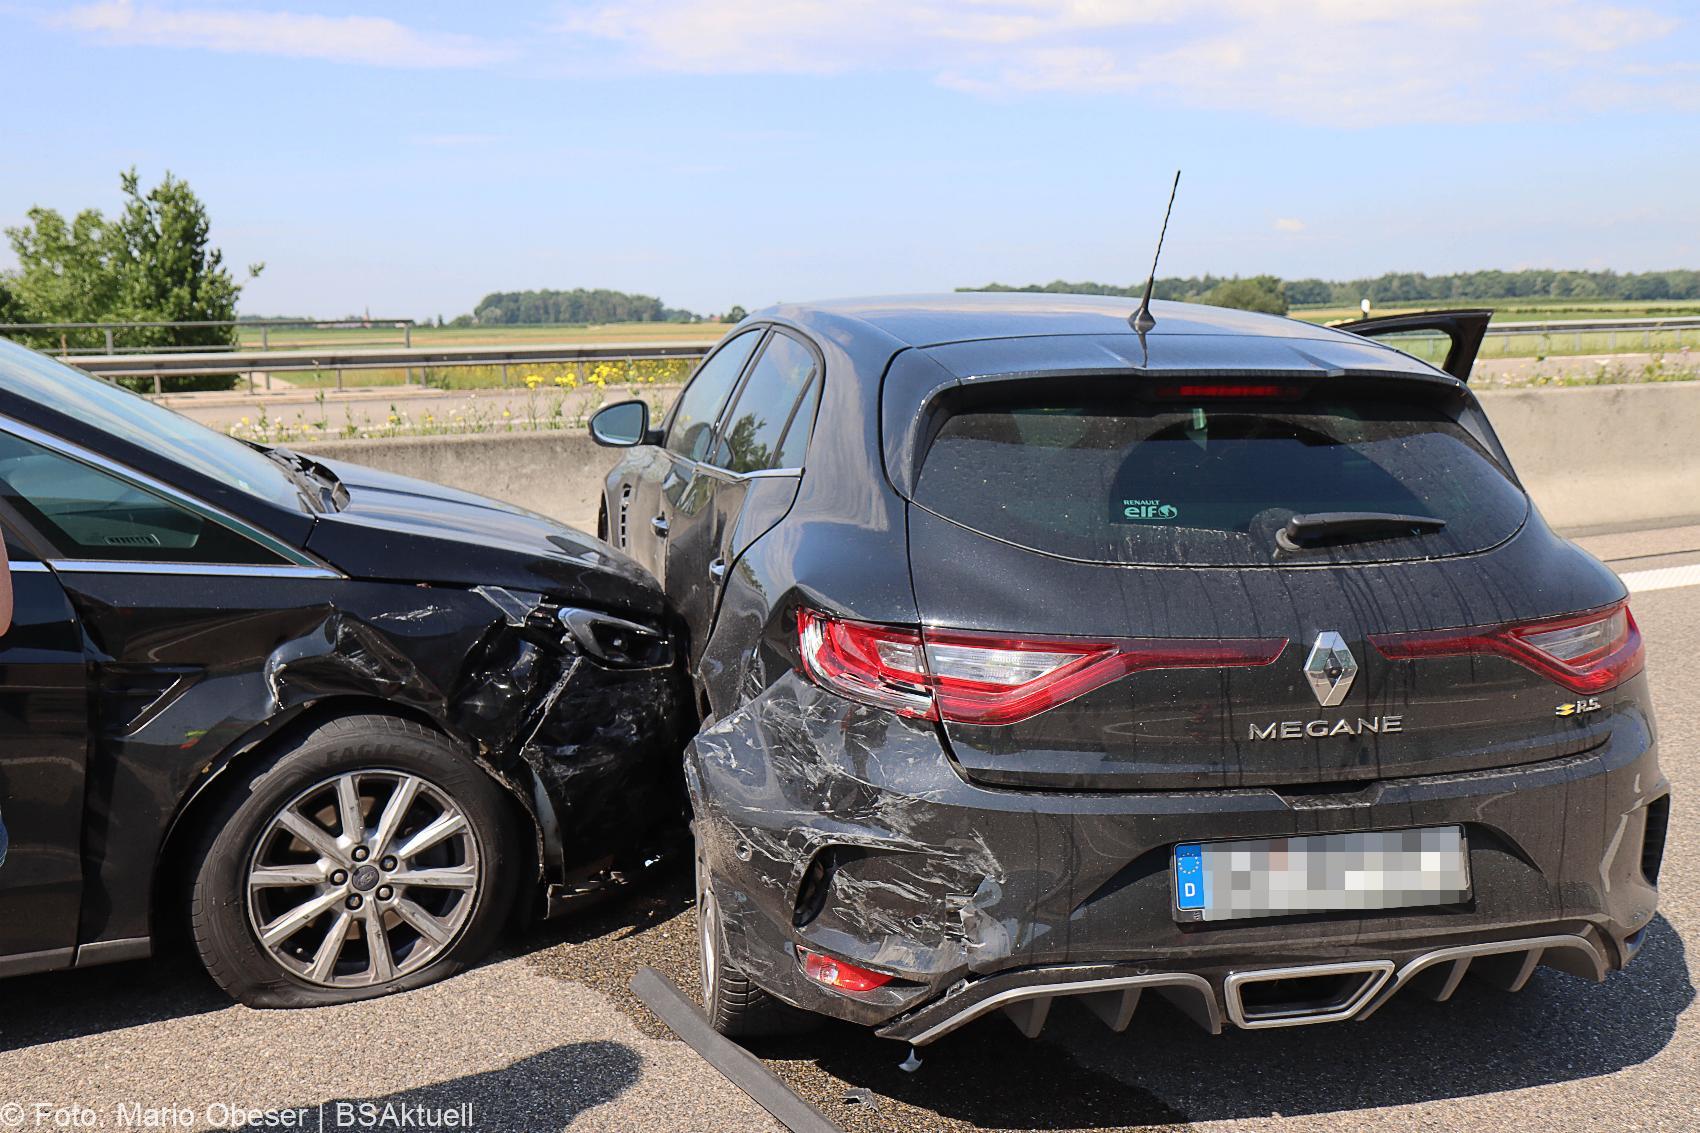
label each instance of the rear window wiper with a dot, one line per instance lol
(1352, 526)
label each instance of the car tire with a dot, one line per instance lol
(736, 1005)
(395, 901)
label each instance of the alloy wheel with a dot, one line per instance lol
(363, 877)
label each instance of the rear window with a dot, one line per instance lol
(1213, 485)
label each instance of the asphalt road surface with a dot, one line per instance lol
(545, 1037)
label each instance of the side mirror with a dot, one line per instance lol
(621, 425)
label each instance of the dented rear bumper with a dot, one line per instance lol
(847, 830)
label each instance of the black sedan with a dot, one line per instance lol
(1045, 649)
(339, 724)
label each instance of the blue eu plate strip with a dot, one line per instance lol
(1189, 876)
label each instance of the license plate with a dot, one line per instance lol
(1320, 873)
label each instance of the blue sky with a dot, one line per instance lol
(410, 157)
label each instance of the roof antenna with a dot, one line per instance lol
(1142, 320)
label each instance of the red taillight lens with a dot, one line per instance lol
(984, 678)
(1585, 653)
(873, 664)
(840, 974)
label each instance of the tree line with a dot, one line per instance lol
(1271, 293)
(580, 305)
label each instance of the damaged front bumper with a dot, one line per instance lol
(845, 830)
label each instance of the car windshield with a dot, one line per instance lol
(133, 418)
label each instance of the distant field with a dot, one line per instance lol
(285, 337)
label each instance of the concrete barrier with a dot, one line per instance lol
(557, 473)
(1598, 457)
(1593, 457)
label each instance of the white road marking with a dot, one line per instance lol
(1664, 578)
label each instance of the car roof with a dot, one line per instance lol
(974, 333)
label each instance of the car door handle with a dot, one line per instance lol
(659, 526)
(717, 570)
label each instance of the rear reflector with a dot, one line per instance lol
(985, 678)
(839, 974)
(1587, 653)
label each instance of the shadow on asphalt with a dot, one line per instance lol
(67, 1005)
(545, 1091)
(1164, 1070)
(1077, 1075)
(1484, 1041)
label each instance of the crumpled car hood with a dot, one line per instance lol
(401, 529)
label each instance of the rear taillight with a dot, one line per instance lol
(1585, 653)
(840, 974)
(984, 678)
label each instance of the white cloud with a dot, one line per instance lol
(1334, 62)
(1289, 224)
(371, 40)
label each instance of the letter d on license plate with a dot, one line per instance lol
(1271, 877)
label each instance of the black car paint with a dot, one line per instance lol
(946, 855)
(133, 694)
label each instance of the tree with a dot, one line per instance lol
(735, 314)
(167, 268)
(1259, 293)
(154, 262)
(1307, 292)
(65, 275)
(576, 306)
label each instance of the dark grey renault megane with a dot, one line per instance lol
(332, 721)
(1037, 656)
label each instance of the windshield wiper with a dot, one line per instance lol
(1352, 526)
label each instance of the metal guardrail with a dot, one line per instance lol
(200, 362)
(111, 330)
(252, 362)
(1549, 333)
(1682, 322)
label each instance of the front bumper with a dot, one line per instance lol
(845, 830)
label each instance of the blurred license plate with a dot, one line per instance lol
(1224, 881)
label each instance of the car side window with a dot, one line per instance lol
(767, 427)
(86, 513)
(692, 428)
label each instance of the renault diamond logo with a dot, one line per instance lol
(1330, 669)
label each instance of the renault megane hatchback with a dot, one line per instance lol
(1039, 657)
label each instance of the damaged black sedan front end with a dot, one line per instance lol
(345, 722)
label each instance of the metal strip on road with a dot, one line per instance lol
(1662, 578)
(740, 1067)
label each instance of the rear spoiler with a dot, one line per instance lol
(1464, 328)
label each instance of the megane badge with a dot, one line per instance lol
(1330, 669)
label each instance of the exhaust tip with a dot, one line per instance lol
(1297, 996)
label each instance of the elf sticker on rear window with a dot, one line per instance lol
(1142, 511)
